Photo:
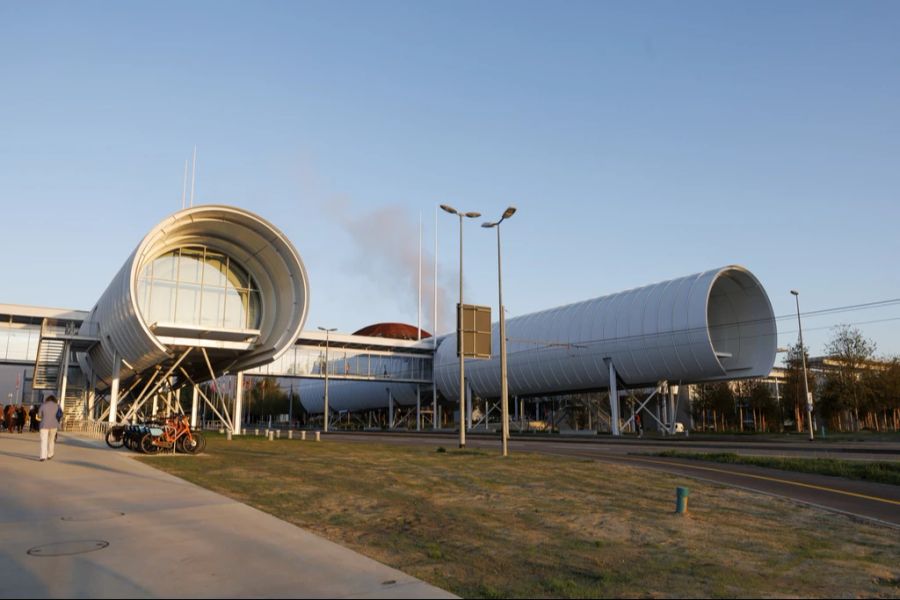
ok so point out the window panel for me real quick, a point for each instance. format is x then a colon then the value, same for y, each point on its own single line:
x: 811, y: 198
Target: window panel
x: 188, y: 305
x: 166, y: 267
x: 196, y: 286
x: 190, y: 266
x: 234, y: 309
x: 254, y: 313
x: 213, y: 307
x: 162, y: 303
x: 214, y: 270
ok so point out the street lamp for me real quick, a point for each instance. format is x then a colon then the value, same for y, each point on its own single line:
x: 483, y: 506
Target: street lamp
x: 462, y: 347
x: 504, y: 391
x: 809, y: 404
x: 327, y: 331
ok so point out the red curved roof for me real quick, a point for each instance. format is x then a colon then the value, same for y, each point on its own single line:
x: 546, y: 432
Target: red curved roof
x: 396, y: 331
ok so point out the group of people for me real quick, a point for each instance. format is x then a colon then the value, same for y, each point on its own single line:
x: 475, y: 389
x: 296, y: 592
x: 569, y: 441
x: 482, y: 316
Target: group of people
x: 14, y: 418
x: 44, y: 418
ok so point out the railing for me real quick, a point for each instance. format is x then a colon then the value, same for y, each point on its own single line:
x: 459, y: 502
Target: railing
x: 94, y: 429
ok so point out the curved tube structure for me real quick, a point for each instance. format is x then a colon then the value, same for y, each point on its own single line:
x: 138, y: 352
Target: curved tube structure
x: 715, y: 325
x: 355, y: 395
x: 216, y: 277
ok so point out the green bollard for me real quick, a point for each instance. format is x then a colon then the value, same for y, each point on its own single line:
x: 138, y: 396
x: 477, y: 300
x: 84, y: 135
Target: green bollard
x: 681, y: 500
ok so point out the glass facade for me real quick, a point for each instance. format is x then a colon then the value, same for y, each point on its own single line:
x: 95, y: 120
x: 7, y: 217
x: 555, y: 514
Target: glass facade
x: 352, y: 364
x: 19, y: 341
x: 198, y: 286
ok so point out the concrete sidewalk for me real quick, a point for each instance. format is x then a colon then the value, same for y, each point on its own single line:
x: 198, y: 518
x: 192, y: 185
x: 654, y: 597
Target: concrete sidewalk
x: 94, y: 523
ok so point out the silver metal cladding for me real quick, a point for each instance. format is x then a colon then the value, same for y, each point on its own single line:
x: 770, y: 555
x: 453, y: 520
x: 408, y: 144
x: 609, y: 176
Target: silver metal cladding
x: 715, y: 325
x: 276, y: 296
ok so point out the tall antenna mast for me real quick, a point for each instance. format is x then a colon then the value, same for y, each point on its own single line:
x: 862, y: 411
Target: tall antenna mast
x: 184, y: 185
x: 435, y: 420
x: 193, y: 176
x: 434, y: 326
x: 419, y: 315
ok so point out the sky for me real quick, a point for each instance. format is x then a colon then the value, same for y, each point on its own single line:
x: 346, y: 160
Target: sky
x: 640, y: 141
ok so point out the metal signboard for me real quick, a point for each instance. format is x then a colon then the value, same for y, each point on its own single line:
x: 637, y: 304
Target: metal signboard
x: 476, y: 331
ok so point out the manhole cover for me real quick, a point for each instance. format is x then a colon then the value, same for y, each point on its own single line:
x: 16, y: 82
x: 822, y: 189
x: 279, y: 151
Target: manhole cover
x: 68, y: 548
x: 94, y: 515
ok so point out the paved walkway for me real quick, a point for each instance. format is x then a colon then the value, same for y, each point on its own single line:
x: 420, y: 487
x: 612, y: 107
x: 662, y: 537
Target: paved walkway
x: 94, y: 523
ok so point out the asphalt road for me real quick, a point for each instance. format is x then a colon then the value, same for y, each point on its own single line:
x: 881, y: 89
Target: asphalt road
x: 863, y: 499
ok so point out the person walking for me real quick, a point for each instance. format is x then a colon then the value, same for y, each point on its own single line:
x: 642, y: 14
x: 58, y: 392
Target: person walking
x: 639, y: 423
x: 49, y: 425
x: 34, y: 424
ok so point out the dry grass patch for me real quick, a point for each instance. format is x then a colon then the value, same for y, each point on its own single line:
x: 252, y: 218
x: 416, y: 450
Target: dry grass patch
x: 546, y: 526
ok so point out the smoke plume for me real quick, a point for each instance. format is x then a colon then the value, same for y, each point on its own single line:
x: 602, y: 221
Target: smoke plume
x: 387, y: 254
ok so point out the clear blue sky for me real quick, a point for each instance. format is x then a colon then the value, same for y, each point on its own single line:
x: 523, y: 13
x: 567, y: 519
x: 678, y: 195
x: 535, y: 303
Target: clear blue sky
x: 641, y: 141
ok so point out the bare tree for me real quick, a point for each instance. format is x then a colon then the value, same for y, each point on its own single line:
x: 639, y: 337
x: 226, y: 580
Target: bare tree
x: 851, y: 353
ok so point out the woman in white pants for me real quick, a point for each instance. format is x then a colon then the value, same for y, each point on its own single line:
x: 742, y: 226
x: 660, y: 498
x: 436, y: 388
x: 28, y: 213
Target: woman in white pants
x: 49, y: 425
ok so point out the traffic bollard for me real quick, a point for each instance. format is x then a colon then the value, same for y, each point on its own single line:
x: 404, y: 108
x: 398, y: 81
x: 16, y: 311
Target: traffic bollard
x: 681, y: 500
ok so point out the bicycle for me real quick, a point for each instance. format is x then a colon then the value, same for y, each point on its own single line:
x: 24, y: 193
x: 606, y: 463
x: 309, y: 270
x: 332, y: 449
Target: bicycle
x: 175, y: 434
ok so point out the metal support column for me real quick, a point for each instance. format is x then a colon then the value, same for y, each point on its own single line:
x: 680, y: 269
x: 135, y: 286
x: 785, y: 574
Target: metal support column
x: 114, y: 390
x: 92, y: 399
x: 194, y: 404
x: 659, y: 417
x: 613, y: 400
x: 390, y: 409
x: 468, y: 406
x: 238, y: 403
x: 664, y: 409
x: 64, y: 380
x: 418, y: 408
x: 671, y: 411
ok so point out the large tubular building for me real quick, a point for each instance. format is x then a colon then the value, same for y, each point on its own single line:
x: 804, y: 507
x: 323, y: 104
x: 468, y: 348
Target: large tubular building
x: 711, y: 326
x: 209, y: 290
x: 215, y: 290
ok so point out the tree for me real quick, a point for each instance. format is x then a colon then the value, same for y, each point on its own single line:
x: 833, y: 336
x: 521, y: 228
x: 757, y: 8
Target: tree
x: 701, y: 405
x: 762, y: 403
x: 851, y: 353
x: 883, y: 387
x: 265, y: 398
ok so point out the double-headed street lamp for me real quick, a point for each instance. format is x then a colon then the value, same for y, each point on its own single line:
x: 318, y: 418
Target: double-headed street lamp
x: 504, y: 392
x: 327, y: 331
x: 809, y: 404
x: 462, y: 347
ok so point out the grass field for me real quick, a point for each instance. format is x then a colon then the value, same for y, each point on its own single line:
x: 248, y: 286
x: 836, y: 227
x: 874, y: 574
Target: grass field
x: 544, y: 526
x: 880, y: 472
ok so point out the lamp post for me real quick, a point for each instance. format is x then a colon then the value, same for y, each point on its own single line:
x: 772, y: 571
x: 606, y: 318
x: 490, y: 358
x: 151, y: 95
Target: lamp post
x: 327, y: 331
x: 504, y: 391
x: 459, y: 326
x: 809, y: 404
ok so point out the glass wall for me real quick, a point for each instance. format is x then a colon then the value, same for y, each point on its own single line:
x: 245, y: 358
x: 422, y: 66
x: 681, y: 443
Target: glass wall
x: 19, y: 341
x: 198, y: 286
